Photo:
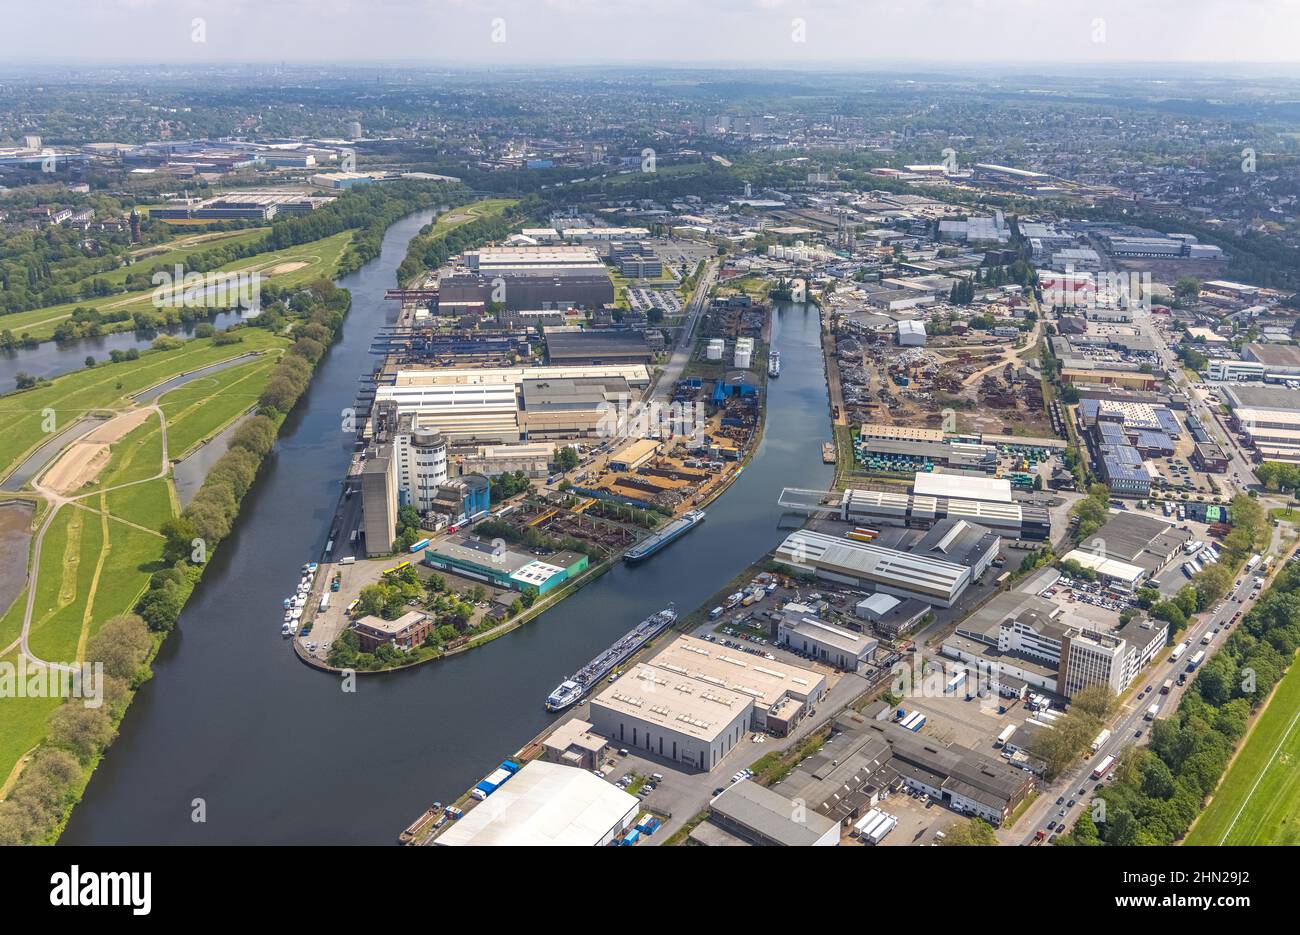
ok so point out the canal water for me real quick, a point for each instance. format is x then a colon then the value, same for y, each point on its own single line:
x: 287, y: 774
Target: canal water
x: 50, y: 359
x: 277, y: 752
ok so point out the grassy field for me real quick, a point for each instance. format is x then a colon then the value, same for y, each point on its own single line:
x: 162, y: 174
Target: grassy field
x: 184, y: 247
x: 202, y: 408
x: 457, y: 216
x: 97, y: 557
x: 1258, y: 801
x: 148, y: 504
x: 319, y: 258
x: 106, y: 386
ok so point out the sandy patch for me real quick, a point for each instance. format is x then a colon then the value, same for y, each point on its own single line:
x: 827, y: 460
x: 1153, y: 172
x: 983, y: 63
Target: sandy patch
x: 282, y: 268
x: 82, y: 461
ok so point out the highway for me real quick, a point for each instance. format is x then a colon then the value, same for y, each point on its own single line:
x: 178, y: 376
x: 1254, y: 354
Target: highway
x: 1130, y: 719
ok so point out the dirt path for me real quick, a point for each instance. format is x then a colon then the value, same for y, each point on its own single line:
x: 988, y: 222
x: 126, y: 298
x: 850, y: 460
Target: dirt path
x: 57, y: 501
x: 82, y: 461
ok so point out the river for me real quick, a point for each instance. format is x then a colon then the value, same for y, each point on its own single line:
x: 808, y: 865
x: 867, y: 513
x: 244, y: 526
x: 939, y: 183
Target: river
x: 50, y: 359
x: 278, y: 752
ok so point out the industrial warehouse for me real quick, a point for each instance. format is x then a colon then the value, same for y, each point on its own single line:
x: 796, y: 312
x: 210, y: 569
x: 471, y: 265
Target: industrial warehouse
x: 694, y: 701
x: 953, y: 554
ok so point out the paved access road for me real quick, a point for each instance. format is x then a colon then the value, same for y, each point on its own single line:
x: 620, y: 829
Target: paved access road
x: 1131, y: 719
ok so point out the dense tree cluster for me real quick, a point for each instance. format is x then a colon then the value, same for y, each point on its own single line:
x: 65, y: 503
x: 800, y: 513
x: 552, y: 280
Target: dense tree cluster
x: 76, y: 735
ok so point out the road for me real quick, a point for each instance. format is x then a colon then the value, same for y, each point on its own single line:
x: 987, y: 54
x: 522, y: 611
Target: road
x: 685, y: 345
x: 1129, y: 721
x: 1240, y: 468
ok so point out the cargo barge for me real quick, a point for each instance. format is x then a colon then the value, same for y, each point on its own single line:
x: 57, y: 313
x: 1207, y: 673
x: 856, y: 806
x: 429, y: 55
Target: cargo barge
x: 670, y: 533
x: 577, y: 685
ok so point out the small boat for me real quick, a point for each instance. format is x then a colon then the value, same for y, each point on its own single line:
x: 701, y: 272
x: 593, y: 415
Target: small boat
x: 774, y: 364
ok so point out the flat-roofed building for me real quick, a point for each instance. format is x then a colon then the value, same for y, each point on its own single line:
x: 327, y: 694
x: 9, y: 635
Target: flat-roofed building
x: 572, y: 407
x: 695, y: 700
x: 759, y: 816
x: 769, y: 682
x: 888, y: 508
x: 574, y: 744
x: 597, y: 347
x: 672, y: 715
x: 546, y: 805
x: 407, y: 632
x: 962, y: 486
x: 863, y: 564
x: 826, y: 642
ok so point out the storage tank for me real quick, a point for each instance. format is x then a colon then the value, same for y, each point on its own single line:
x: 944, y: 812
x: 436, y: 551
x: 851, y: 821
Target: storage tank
x: 714, y: 350
x: 743, y: 356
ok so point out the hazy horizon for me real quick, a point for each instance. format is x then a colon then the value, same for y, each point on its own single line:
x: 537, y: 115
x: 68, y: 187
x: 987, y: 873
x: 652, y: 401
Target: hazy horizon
x: 786, y: 34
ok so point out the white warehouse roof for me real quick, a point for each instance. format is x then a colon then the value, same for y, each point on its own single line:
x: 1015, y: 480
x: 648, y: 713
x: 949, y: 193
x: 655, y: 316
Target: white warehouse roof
x: 546, y: 805
x: 1109, y: 567
x: 997, y: 489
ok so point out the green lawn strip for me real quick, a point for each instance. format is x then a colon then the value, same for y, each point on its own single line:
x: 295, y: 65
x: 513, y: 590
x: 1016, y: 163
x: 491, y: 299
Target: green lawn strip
x: 200, y: 409
x: 107, y: 386
x: 148, y: 504
x: 22, y: 724
x: 134, y: 556
x: 1272, y: 807
x: 67, y: 569
x: 321, y: 256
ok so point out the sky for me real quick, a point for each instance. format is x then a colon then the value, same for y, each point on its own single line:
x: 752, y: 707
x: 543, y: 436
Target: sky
x: 785, y: 33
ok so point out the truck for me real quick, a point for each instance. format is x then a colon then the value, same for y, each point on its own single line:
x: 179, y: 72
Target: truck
x: 1207, y: 638
x: 954, y: 683
x: 494, y: 780
x: 1179, y: 650
x: 1195, y: 660
x: 1103, y: 767
x: 1152, y: 710
x: 1252, y: 562
x: 348, y: 560
x: 352, y: 539
x: 324, y: 602
x: 1100, y: 740
x: 1167, y: 687
x: 1005, y: 735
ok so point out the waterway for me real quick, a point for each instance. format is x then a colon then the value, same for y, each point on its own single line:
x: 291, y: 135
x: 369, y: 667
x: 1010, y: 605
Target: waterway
x: 50, y: 359
x: 278, y: 752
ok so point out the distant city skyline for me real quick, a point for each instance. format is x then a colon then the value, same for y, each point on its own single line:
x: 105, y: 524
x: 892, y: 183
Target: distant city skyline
x: 784, y: 33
